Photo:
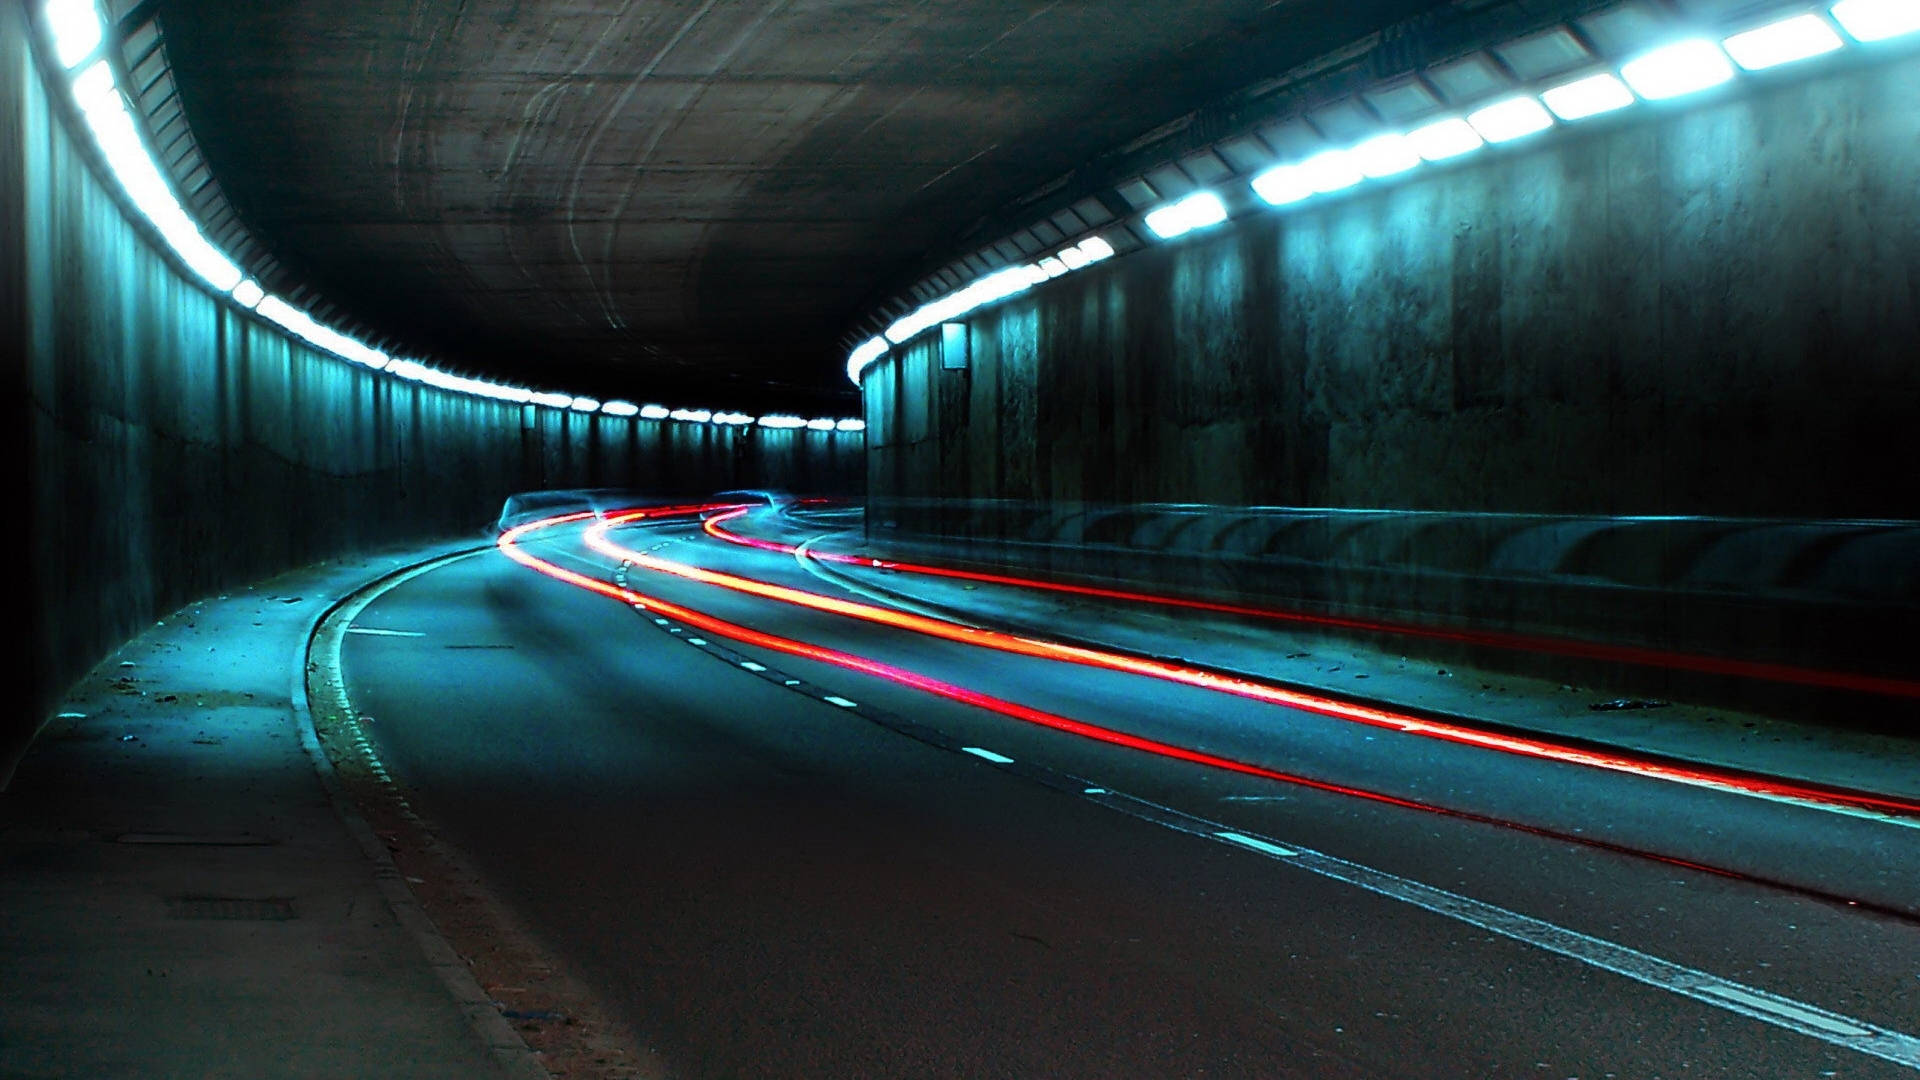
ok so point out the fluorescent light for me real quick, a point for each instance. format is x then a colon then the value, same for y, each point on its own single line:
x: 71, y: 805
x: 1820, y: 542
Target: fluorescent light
x: 76, y: 29
x: 733, y: 419
x: 1385, y: 155
x: 584, y: 404
x: 1054, y: 267
x: 1073, y: 257
x: 1514, y: 118
x: 301, y: 325
x: 1878, y: 20
x: 1330, y: 171
x: 105, y: 110
x: 619, y: 408
x: 1283, y: 185
x: 1586, y: 97
x: 819, y: 425
x: 1095, y: 248
x: 1684, y: 67
x: 691, y: 416
x: 850, y: 425
x: 995, y: 286
x: 654, y: 412
x: 1445, y: 139
x: 553, y: 401
x: 248, y: 293
x: 863, y: 356
x: 1783, y: 42
x: 1202, y: 209
x: 779, y: 422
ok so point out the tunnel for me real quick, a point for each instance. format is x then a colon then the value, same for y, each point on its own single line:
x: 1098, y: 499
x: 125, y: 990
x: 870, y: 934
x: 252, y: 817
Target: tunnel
x: 962, y: 538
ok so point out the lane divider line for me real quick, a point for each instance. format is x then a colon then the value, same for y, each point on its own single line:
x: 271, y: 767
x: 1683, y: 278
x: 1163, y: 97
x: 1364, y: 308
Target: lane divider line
x: 619, y: 590
x: 1704, y: 987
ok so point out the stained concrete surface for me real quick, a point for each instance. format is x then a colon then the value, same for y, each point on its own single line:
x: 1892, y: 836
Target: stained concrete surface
x: 180, y: 898
x: 1707, y: 308
x: 679, y: 194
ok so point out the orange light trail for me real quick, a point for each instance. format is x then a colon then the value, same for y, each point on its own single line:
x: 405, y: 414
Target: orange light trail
x: 509, y: 544
x: 1584, y: 650
x: 596, y: 538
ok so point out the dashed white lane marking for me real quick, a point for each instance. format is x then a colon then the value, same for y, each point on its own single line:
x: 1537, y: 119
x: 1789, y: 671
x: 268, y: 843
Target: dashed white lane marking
x: 696, y: 641
x: 751, y: 666
x: 1257, y: 844
x: 842, y: 702
x: 73, y: 716
x: 1700, y: 986
x: 377, y: 632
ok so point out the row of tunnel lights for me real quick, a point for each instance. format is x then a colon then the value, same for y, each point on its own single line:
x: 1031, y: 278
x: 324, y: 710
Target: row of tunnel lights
x: 1671, y: 71
x: 78, y: 33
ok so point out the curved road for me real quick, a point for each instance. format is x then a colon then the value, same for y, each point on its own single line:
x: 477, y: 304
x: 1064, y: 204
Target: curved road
x: 773, y: 866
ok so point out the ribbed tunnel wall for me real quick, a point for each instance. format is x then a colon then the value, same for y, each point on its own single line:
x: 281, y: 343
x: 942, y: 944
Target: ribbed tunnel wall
x: 1704, y: 310
x: 167, y: 446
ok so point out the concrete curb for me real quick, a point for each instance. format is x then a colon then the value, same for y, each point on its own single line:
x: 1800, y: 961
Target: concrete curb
x: 503, y: 1043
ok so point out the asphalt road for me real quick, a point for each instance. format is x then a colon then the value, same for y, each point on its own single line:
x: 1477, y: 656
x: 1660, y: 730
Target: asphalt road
x: 766, y: 883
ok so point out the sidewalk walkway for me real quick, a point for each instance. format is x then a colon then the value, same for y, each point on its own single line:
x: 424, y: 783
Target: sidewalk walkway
x: 1726, y: 738
x: 180, y: 897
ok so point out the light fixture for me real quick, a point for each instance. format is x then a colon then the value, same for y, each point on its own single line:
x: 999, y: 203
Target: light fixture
x: 781, y: 422
x: 1073, y: 257
x: 691, y: 416
x: 851, y: 425
x: 1283, y: 185
x: 1684, y: 67
x: 1095, y: 248
x: 1200, y: 210
x: 820, y: 425
x: 248, y: 293
x: 1054, y: 267
x: 553, y: 401
x: 1797, y: 38
x: 654, y: 412
x: 584, y: 404
x: 619, y: 408
x: 76, y: 29
x: 1878, y: 20
x: 1330, y: 171
x: 301, y: 325
x: 1445, y: 139
x: 1586, y: 97
x: 1513, y: 118
x: 1385, y: 155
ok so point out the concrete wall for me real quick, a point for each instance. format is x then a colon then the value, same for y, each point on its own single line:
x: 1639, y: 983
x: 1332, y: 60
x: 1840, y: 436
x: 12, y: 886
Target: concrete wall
x: 165, y: 446
x: 1702, y: 310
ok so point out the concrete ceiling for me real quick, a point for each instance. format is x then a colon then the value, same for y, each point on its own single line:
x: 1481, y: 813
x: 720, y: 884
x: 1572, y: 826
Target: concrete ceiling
x: 681, y: 200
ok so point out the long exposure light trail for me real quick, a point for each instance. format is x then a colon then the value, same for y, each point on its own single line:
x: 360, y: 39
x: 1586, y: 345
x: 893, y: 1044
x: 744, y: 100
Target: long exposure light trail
x: 597, y: 538
x: 509, y: 544
x: 1640, y: 656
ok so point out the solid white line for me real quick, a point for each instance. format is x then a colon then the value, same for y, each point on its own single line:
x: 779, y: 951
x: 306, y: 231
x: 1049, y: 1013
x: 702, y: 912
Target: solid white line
x: 383, y: 633
x: 1789, y: 1010
x: 997, y: 759
x: 843, y: 702
x: 1261, y: 846
x: 1704, y: 987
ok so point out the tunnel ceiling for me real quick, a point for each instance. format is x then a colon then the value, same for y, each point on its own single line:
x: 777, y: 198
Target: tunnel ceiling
x: 678, y: 199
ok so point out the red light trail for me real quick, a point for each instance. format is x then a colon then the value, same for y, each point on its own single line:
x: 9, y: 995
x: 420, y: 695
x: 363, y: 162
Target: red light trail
x: 1584, y: 650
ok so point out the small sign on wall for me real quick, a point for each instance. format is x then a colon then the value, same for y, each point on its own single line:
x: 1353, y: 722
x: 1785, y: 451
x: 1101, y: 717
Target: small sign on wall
x: 954, y: 346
